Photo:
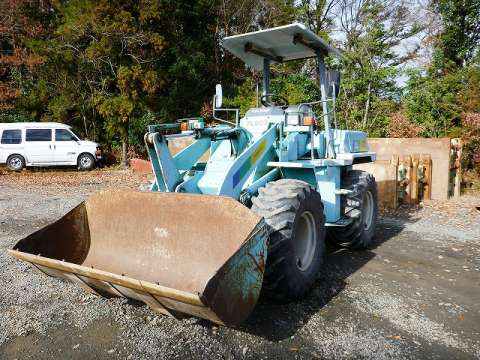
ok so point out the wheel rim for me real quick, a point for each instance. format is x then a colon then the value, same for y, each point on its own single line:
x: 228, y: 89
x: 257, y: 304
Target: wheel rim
x: 15, y: 163
x: 85, y: 162
x: 305, y: 241
x: 368, y: 210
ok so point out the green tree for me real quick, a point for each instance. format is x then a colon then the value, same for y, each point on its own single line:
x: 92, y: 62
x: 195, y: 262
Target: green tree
x: 369, y: 91
x: 441, y: 98
x: 431, y: 103
x: 459, y: 39
x: 114, y: 47
x: 111, y: 61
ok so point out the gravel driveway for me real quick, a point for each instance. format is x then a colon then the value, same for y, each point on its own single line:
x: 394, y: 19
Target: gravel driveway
x: 414, y: 295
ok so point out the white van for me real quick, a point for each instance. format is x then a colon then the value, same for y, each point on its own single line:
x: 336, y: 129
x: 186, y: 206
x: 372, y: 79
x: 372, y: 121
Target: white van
x: 45, y: 144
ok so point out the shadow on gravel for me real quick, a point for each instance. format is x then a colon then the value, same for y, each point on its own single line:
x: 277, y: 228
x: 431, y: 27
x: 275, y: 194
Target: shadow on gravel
x: 275, y: 321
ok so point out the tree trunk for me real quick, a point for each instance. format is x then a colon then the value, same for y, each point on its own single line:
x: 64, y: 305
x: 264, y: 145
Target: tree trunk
x: 125, y: 146
x: 367, y: 107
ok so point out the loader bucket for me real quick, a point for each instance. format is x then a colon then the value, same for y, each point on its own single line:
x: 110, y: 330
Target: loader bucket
x: 179, y: 253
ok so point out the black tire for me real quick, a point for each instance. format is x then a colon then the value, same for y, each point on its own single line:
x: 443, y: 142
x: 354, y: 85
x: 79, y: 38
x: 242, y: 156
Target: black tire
x: 360, y: 232
x: 85, y: 162
x: 16, y: 162
x: 288, y: 207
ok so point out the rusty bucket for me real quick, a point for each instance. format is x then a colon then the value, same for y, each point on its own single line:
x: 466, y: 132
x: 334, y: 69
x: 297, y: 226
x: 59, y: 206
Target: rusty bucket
x: 179, y: 253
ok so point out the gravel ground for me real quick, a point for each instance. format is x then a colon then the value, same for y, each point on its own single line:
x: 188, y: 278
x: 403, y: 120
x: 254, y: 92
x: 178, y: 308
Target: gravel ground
x: 413, y: 295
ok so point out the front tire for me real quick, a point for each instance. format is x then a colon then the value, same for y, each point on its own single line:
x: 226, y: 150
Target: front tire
x: 293, y: 211
x: 361, y: 207
x: 15, y: 162
x: 85, y: 162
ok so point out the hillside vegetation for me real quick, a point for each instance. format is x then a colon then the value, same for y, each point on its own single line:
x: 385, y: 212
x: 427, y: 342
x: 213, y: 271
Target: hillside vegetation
x: 109, y: 68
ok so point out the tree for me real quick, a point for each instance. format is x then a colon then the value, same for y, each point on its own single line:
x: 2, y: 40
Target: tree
x: 121, y: 43
x: 318, y: 15
x: 401, y: 127
x: 441, y: 98
x: 371, y: 30
x: 112, y: 61
x: 20, y: 21
x: 431, y: 104
x: 459, y: 39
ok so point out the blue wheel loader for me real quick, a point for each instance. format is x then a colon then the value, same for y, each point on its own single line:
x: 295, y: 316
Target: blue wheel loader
x: 244, y: 209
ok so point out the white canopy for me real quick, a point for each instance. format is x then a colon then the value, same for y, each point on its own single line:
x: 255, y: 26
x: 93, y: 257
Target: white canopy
x: 283, y: 43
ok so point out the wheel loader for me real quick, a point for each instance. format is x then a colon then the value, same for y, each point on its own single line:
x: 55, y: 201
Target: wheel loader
x: 244, y: 209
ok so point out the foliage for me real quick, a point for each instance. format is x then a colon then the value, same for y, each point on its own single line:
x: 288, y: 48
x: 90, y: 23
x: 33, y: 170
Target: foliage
x: 471, y: 143
x: 469, y: 96
x: 138, y: 128
x: 459, y: 41
x: 369, y: 90
x: 430, y: 102
x: 21, y: 21
x: 469, y: 100
x: 400, y: 127
x: 110, y: 68
x: 295, y: 87
x: 441, y: 98
x: 110, y: 61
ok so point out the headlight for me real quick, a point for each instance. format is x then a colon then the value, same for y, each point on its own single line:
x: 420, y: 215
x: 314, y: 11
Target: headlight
x: 293, y: 119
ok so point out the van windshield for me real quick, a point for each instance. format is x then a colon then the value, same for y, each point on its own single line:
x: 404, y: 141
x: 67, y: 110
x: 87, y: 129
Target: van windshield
x: 65, y: 135
x: 74, y: 134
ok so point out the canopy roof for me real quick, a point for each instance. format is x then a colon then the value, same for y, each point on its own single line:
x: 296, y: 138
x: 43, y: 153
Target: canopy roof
x: 279, y: 44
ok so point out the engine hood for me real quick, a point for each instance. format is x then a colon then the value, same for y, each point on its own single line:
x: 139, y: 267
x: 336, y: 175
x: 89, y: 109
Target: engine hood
x: 89, y: 143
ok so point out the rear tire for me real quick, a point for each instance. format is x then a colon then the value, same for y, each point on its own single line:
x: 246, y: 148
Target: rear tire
x: 85, y: 162
x: 361, y: 207
x: 15, y: 162
x: 293, y: 211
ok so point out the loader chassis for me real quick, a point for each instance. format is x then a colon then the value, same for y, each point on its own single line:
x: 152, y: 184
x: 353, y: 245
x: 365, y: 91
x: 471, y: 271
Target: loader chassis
x: 211, y: 235
x: 279, y: 156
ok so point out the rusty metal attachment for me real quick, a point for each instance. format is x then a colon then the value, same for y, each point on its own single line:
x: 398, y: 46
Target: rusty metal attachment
x: 178, y: 253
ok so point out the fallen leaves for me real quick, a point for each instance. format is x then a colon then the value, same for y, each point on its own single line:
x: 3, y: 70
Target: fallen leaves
x: 107, y: 177
x: 394, y: 337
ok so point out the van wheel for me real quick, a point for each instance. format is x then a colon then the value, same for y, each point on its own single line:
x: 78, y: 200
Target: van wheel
x: 16, y: 162
x: 86, y: 162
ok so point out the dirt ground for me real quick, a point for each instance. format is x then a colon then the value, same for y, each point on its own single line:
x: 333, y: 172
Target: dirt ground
x: 414, y: 295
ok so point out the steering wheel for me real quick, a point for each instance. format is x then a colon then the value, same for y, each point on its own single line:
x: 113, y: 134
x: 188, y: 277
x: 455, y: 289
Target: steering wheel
x: 265, y: 100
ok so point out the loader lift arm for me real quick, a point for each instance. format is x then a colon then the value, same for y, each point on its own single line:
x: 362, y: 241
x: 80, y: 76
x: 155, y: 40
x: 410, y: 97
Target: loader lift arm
x: 170, y: 171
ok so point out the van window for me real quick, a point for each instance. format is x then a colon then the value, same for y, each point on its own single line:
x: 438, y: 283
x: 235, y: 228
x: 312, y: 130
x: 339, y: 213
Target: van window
x: 12, y: 137
x: 38, y: 135
x: 64, y: 135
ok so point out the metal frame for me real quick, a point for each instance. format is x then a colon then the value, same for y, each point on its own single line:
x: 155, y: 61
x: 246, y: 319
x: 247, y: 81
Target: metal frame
x: 215, y: 109
x: 320, y: 53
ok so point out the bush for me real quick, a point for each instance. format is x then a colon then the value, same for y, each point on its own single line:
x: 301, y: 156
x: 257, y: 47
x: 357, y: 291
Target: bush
x: 136, y: 132
x: 471, y: 143
x: 400, y: 127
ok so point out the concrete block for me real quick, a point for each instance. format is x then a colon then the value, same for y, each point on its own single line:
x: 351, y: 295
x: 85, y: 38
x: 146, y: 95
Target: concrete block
x: 141, y: 166
x: 439, y: 150
x: 385, y: 175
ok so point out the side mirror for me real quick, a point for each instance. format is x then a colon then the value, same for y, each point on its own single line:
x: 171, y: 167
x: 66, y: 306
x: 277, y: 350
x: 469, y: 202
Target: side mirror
x: 218, y: 96
x: 333, y: 83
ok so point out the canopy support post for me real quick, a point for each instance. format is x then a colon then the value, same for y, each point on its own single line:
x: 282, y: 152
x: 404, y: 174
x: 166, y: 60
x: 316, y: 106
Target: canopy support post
x: 323, y: 93
x: 266, y: 77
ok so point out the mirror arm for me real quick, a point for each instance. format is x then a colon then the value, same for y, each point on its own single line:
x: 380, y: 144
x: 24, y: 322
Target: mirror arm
x: 215, y: 109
